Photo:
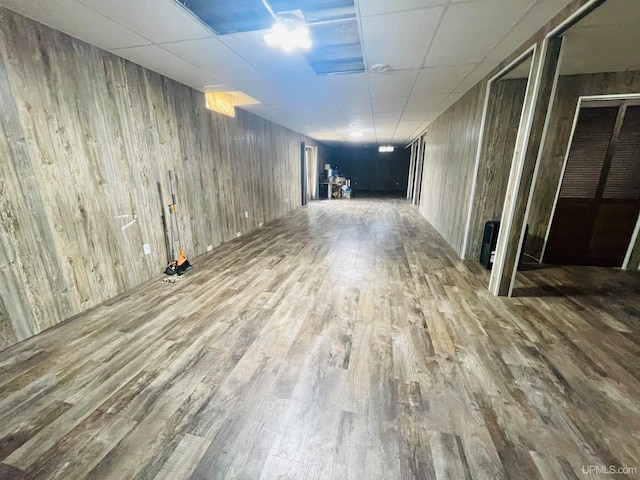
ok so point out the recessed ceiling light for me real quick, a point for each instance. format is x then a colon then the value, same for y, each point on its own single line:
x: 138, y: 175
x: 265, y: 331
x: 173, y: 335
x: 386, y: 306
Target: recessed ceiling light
x: 385, y: 148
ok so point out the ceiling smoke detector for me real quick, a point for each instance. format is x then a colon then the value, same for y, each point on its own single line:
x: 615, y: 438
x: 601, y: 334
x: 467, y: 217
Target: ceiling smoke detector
x: 381, y: 68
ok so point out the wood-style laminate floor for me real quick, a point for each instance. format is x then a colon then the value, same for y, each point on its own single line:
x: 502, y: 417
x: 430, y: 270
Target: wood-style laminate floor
x: 344, y: 341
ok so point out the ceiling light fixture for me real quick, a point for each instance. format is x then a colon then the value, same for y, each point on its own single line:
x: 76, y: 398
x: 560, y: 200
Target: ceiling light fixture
x: 289, y: 34
x: 385, y: 148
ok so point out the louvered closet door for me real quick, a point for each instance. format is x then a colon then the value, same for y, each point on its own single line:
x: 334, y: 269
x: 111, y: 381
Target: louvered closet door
x: 619, y: 204
x: 599, y: 198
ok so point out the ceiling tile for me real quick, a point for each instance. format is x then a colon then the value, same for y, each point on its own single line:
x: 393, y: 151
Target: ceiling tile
x: 441, y: 79
x: 540, y: 14
x: 159, y: 21
x: 360, y: 119
x: 420, y: 101
x: 215, y: 57
x: 620, y: 62
x: 478, y: 73
x: 87, y: 25
x: 409, y: 117
x: 388, y: 104
x: 601, y: 42
x: 469, y: 31
x: 614, y: 13
x: 355, y: 106
x: 273, y: 63
x: 386, y: 117
x: 383, y: 7
x: 267, y: 93
x: 392, y: 84
x: 343, y: 88
x: 408, y: 127
x: 160, y: 60
x: 399, y: 39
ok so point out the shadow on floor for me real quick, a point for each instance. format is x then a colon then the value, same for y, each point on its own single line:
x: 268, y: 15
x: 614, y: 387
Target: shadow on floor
x: 562, y: 291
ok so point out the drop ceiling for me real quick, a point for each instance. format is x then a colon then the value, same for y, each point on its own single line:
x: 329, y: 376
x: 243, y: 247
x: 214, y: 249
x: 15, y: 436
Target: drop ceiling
x: 437, y: 50
x: 606, y: 40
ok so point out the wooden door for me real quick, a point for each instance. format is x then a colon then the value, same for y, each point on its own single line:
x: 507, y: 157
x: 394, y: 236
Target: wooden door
x: 599, y: 199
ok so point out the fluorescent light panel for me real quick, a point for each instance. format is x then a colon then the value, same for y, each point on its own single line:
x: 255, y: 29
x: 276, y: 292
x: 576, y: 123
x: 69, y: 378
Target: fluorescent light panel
x: 385, y: 148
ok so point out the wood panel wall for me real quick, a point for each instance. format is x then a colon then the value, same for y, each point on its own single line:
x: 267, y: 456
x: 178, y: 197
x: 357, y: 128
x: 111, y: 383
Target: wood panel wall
x: 570, y: 88
x: 450, y: 150
x: 501, y: 129
x: 86, y: 140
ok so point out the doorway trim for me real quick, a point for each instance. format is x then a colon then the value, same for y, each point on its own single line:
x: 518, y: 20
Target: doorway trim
x: 584, y: 99
x: 528, y: 53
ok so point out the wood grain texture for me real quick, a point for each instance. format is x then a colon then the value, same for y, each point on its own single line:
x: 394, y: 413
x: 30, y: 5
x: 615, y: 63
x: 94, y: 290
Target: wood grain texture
x: 345, y: 340
x: 86, y: 140
x: 449, y: 171
x: 570, y: 88
x: 451, y: 143
x: 537, y: 104
x: 501, y: 129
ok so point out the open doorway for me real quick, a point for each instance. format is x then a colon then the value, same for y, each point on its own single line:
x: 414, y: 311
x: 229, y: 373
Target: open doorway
x: 311, y: 159
x: 503, y: 108
x: 598, y: 73
x: 599, y: 199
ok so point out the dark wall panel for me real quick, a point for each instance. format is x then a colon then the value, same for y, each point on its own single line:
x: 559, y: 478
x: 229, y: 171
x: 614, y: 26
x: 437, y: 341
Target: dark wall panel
x: 86, y: 140
x: 370, y: 170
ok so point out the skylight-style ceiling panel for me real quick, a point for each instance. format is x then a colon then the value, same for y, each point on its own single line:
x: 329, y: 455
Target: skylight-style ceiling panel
x: 226, y: 17
x: 336, y: 48
x: 315, y: 10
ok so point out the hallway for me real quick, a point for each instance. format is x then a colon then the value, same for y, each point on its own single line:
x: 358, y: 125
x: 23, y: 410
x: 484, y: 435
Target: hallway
x: 345, y: 340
